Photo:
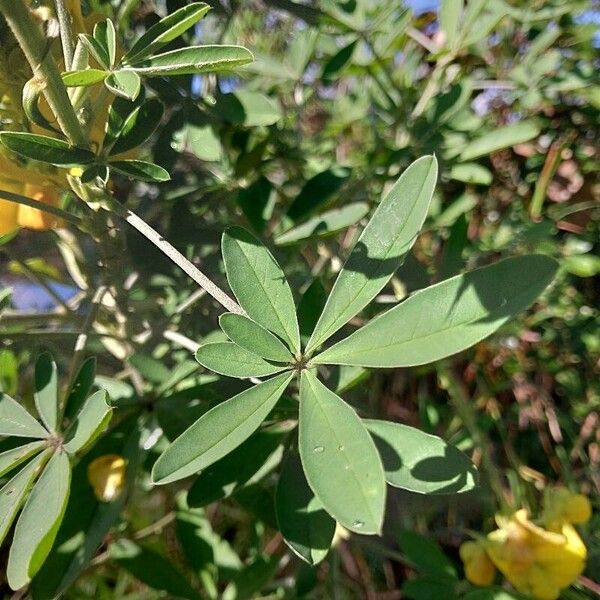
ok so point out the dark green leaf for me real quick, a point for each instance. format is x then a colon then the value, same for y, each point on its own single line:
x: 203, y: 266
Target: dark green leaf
x: 106, y: 36
x: 141, y: 170
x: 303, y: 522
x: 311, y: 306
x: 81, y: 387
x: 338, y: 61
x: 499, y: 139
x: 45, y: 391
x: 15, y: 420
x: 138, y: 126
x: 426, y: 556
x: 252, y: 578
x: 468, y: 308
x: 340, y: 460
x: 97, y: 50
x: 260, y: 285
x: 46, y: 149
x: 219, y: 431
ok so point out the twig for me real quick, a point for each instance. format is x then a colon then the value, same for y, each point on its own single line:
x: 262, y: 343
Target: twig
x: 422, y: 39
x: 52, y: 210
x: 181, y: 340
x: 181, y: 261
x: 66, y: 39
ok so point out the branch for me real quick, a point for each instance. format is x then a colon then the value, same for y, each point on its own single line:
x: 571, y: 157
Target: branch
x: 53, y: 210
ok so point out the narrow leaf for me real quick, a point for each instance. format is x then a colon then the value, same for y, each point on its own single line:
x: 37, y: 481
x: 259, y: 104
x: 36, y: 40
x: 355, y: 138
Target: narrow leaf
x: 227, y: 358
x: 84, y: 78
x: 381, y: 248
x: 500, y: 138
x: 248, y: 108
x: 45, y: 392
x: 38, y: 524
x: 15, y: 420
x: 91, y: 421
x: 13, y: 494
x: 446, y: 318
x: 249, y: 335
x: 96, y: 49
x: 303, y: 522
x: 340, y: 460
x: 125, y: 83
x: 166, y: 30
x: 46, y: 149
x: 193, y: 60
x: 138, y: 126
x: 81, y: 387
x: 260, y: 285
x: 106, y: 36
x: 219, y: 431
x: 141, y: 170
x: 10, y: 459
x: 420, y: 462
x: 449, y: 15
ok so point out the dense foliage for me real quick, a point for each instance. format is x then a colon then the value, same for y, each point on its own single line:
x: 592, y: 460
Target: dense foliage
x: 297, y: 297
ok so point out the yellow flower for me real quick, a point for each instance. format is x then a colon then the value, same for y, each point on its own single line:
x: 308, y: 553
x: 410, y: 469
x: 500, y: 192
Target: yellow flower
x: 479, y: 569
x: 106, y: 475
x: 32, y: 218
x: 562, y: 506
x: 536, y: 561
x: 9, y: 210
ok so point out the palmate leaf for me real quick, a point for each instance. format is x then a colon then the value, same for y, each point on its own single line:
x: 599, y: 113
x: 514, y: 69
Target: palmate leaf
x: 13, y: 494
x: 10, y: 459
x: 45, y: 391
x: 260, y: 285
x: 340, y: 460
x: 194, y: 60
x: 303, y: 522
x: 219, y: 431
x: 446, y: 318
x: 227, y: 358
x: 16, y: 421
x: 39, y: 521
x: 249, y: 335
x: 380, y: 249
x: 420, y: 462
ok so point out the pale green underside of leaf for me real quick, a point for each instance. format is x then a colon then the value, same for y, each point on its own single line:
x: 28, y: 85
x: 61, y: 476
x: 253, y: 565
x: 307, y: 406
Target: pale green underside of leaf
x: 84, y: 78
x: 92, y: 419
x: 420, y: 462
x: 227, y: 358
x: 219, y: 431
x: 12, y: 458
x: 13, y: 494
x: 260, y: 285
x: 340, y: 460
x: 303, y: 522
x: 39, y: 521
x: 193, y: 60
x: 16, y: 421
x: 251, y: 336
x: 385, y: 241
x: 45, y: 392
x: 446, y: 318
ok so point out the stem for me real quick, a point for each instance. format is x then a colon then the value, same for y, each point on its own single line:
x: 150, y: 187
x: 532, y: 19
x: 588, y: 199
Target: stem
x: 34, y: 47
x: 181, y: 261
x: 66, y: 38
x: 57, y: 212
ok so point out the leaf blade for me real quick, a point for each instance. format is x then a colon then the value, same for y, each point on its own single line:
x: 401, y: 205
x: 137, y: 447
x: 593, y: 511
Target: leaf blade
x: 10, y: 459
x: 16, y: 421
x: 45, y: 393
x: 141, y: 170
x: 92, y: 419
x: 46, y: 149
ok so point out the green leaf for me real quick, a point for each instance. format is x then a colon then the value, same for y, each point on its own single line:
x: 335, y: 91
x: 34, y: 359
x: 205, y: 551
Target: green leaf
x: 13, y: 494
x: 250, y: 462
x: 420, y: 462
x: 193, y: 60
x: 250, y: 580
x: 310, y: 307
x: 81, y: 387
x: 125, y: 83
x: 96, y: 49
x: 219, y: 431
x: 340, y: 459
x: 429, y: 588
x: 260, y: 285
x: 106, y: 36
x: 327, y: 223
x: 46, y: 149
x: 15, y: 420
x: 473, y: 173
x: 45, y: 393
x: 380, y: 249
x: 151, y: 568
x: 166, y: 30
x: 84, y: 77
x: 338, y: 61
x: 91, y: 421
x: 426, y: 556
x: 501, y: 138
x: 494, y: 593
x: 140, y: 170
x: 468, y: 308
x: 247, y: 108
x: 317, y: 191
x: 303, y: 522
x: 227, y: 358
x: 139, y: 125
x: 38, y: 524
x: 253, y: 337
x: 449, y: 16
x: 10, y: 459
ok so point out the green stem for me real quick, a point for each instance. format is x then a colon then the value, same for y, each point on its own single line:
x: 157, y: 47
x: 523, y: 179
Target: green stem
x: 53, y: 210
x: 66, y: 36
x: 34, y: 46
